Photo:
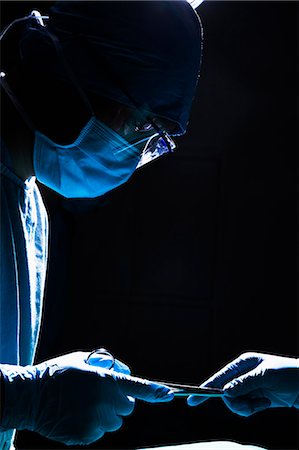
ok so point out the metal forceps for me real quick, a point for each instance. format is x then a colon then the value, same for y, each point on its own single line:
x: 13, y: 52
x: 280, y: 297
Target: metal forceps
x: 103, y: 358
x: 184, y: 390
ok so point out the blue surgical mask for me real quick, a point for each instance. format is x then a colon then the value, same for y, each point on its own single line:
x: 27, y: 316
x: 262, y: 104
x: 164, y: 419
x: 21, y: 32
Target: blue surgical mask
x: 98, y: 161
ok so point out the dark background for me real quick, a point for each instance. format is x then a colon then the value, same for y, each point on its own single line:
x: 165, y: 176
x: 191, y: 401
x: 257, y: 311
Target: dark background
x: 193, y: 261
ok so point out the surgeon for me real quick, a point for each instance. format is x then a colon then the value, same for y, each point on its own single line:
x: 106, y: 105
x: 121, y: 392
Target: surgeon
x: 89, y: 95
x: 254, y: 382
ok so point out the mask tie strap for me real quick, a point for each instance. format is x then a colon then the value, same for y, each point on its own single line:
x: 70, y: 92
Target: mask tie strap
x: 16, y: 102
x: 38, y: 20
x: 69, y: 71
x: 37, y: 17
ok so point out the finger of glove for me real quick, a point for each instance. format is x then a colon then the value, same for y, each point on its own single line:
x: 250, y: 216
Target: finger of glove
x: 246, y: 406
x: 109, y: 419
x: 143, y: 389
x: 195, y: 400
x: 244, y: 384
x: 124, y: 405
x: 106, y: 361
x: 239, y: 366
x: 80, y: 440
x: 121, y: 367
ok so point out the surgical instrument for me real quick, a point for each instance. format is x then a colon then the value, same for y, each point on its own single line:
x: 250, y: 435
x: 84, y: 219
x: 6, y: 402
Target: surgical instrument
x: 179, y: 390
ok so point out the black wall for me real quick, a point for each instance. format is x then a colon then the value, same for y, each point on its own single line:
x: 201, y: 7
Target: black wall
x: 194, y: 260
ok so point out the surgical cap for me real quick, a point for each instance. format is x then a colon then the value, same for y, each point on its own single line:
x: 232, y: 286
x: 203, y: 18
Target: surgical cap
x: 149, y: 49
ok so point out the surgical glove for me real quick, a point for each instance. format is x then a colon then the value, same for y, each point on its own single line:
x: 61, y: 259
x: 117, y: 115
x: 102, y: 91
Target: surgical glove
x: 254, y: 382
x: 70, y: 401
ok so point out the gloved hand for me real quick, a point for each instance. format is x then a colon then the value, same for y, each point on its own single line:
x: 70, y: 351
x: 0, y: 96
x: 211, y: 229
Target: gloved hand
x: 70, y: 401
x: 256, y: 381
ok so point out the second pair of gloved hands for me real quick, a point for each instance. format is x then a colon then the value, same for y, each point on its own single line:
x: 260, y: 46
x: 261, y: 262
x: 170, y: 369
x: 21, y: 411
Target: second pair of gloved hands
x: 67, y: 400
x: 254, y: 382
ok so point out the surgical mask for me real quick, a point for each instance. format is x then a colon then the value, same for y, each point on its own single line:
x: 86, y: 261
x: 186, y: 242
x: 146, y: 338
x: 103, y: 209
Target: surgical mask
x: 97, y: 162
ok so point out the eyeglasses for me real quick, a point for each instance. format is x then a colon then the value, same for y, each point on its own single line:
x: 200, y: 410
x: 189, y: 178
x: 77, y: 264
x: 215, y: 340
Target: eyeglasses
x: 157, y: 144
x: 147, y: 135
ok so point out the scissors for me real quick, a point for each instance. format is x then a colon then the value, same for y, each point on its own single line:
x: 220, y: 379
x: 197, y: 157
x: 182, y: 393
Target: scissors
x: 103, y: 358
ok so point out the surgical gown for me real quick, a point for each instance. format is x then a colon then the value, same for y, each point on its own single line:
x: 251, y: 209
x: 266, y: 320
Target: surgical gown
x: 23, y: 246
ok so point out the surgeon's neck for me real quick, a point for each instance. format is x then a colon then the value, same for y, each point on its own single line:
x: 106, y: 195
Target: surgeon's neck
x: 18, y: 138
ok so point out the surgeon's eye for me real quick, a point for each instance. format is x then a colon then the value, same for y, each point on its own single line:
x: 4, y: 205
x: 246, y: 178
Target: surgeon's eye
x: 143, y: 127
